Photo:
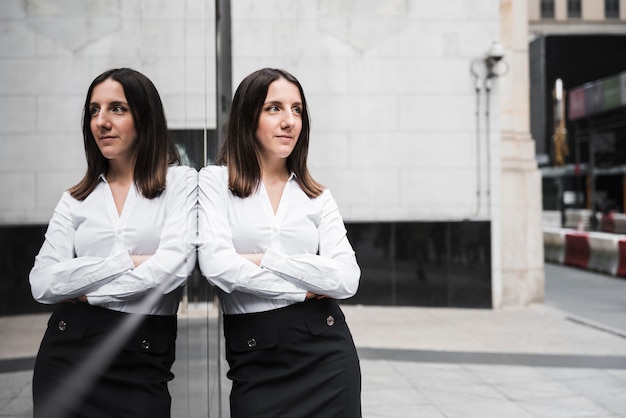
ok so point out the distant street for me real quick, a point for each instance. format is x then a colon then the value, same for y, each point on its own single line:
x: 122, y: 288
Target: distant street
x: 597, y: 298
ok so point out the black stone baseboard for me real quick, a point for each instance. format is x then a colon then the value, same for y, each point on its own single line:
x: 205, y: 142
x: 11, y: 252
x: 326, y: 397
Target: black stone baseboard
x: 434, y: 264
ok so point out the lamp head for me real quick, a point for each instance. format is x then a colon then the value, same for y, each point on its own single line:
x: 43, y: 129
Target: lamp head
x: 496, y: 52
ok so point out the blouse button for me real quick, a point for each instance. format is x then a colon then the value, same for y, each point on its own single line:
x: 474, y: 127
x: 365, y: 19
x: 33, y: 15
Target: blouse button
x: 251, y: 343
x: 330, y: 321
x: 62, y: 325
x: 145, y: 344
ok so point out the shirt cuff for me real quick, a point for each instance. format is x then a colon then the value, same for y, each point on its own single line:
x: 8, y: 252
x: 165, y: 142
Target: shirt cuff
x: 124, y: 261
x: 271, y: 259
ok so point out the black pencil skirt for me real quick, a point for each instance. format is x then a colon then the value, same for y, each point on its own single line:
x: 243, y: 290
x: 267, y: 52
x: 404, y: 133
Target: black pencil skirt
x: 95, y: 362
x: 293, y: 362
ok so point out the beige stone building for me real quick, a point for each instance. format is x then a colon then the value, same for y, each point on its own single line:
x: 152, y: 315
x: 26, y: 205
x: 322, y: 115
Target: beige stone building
x: 577, y: 16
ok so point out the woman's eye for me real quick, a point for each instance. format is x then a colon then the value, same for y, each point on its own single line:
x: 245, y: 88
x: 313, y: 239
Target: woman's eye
x: 94, y: 111
x: 118, y: 109
x: 273, y: 108
x: 297, y: 110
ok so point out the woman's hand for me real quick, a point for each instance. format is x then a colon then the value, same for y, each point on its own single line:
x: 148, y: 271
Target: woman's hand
x: 138, y: 259
x: 254, y: 258
x: 311, y: 295
x: 82, y: 299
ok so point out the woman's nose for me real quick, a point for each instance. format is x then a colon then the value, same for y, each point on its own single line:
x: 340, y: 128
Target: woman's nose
x: 288, y: 120
x: 102, y: 121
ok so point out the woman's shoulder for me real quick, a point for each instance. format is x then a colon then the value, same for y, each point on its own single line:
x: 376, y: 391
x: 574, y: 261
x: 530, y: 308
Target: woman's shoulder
x: 216, y: 172
x: 181, y: 179
x: 324, y: 195
x: 214, y: 169
x: 69, y: 205
x: 177, y: 172
x: 180, y: 169
x: 68, y: 199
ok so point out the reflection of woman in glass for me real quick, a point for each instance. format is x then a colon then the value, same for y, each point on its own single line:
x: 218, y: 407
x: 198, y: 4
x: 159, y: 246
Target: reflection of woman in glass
x: 275, y: 245
x: 118, y: 245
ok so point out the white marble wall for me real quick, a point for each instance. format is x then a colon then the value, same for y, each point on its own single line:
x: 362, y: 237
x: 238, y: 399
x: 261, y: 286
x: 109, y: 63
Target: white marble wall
x: 391, y: 95
x: 392, y: 98
x: 50, y: 50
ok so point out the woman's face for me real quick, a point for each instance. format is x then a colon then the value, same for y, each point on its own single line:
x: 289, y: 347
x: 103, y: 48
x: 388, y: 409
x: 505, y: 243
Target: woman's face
x: 280, y: 121
x: 112, y: 122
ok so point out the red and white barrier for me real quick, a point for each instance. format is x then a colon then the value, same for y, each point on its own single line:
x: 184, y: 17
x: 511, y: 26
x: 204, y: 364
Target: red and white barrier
x: 598, y: 251
x: 604, y: 253
x: 554, y: 244
x: 577, y: 249
x: 621, y: 260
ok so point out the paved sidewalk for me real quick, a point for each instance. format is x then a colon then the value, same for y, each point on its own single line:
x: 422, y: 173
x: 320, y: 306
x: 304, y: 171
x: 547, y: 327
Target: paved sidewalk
x: 416, y: 362
x: 530, y: 362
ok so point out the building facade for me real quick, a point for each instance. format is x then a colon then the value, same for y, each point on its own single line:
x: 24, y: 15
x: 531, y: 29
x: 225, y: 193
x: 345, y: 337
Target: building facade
x: 576, y: 16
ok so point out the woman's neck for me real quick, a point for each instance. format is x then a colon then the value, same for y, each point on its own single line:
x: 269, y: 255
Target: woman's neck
x: 120, y: 173
x: 274, y: 172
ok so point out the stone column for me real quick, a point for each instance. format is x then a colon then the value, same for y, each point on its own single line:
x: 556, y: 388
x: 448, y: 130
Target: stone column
x: 522, y: 274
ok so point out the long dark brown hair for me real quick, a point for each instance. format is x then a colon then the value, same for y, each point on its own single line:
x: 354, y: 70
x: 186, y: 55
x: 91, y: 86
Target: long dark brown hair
x: 154, y: 150
x: 241, y: 150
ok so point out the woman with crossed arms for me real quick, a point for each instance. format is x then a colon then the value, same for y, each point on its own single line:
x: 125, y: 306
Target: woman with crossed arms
x: 118, y: 250
x: 274, y: 244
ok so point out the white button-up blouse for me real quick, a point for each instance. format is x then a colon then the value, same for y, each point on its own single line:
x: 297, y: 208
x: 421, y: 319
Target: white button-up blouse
x: 88, y: 244
x: 304, y: 245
